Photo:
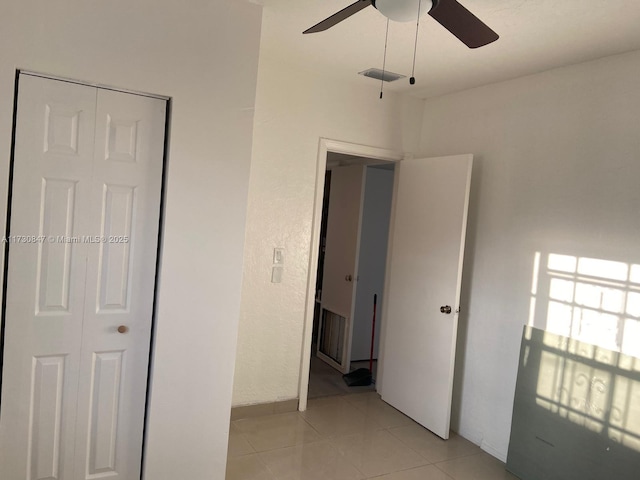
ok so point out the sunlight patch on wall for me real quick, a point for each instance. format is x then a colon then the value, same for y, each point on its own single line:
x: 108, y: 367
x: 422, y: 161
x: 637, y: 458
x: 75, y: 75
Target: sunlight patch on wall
x: 534, y: 288
x: 591, y: 300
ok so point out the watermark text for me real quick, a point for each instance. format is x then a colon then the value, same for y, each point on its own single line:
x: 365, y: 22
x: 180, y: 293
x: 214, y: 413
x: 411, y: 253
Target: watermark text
x: 38, y: 239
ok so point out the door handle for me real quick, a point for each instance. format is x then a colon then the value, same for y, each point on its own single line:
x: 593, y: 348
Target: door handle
x: 348, y: 278
x: 445, y: 309
x: 123, y: 329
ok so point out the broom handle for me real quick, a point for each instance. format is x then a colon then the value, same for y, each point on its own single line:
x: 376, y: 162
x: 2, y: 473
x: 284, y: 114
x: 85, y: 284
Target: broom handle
x: 373, y: 332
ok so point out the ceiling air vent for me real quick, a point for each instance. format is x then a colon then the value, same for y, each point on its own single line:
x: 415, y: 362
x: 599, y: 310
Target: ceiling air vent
x: 380, y: 75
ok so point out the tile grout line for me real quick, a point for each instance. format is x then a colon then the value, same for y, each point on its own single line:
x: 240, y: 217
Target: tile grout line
x: 367, y: 407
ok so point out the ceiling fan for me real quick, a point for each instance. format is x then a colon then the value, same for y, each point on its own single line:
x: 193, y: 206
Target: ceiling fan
x: 468, y: 28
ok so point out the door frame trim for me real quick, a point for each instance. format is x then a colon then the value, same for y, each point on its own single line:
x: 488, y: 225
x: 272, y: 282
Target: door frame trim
x: 5, y: 250
x: 91, y: 84
x: 326, y: 145
x: 156, y: 286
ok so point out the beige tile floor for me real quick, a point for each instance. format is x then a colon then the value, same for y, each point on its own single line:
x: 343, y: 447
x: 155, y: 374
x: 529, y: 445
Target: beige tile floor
x: 325, y: 380
x: 351, y: 437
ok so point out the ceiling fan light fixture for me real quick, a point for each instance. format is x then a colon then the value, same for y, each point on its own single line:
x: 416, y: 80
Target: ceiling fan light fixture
x: 452, y: 15
x: 403, y: 10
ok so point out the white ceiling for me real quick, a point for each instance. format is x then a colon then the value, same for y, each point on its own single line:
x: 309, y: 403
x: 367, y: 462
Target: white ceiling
x: 535, y: 35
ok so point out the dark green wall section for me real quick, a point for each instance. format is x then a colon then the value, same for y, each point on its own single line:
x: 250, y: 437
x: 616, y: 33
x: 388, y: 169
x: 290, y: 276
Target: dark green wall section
x: 576, y: 412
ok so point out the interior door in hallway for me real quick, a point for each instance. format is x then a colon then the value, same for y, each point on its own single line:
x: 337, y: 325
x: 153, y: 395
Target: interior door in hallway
x: 80, y: 280
x: 339, y: 275
x: 424, y: 277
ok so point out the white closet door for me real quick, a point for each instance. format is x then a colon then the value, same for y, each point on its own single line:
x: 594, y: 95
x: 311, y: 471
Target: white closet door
x: 124, y: 213
x: 46, y: 279
x: 84, y: 227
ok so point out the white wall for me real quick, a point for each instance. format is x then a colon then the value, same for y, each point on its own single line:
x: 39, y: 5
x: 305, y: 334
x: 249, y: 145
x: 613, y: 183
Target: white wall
x: 204, y: 55
x: 372, y: 260
x: 557, y: 163
x: 293, y: 110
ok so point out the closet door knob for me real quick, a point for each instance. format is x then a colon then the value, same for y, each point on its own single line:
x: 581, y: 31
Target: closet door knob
x: 123, y: 329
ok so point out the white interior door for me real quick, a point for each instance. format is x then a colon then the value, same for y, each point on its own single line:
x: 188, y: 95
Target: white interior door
x: 424, y: 274
x: 80, y: 281
x: 339, y: 274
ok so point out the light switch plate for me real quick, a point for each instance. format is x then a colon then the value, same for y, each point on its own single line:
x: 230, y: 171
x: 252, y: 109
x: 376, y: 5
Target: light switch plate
x: 276, y: 274
x: 278, y: 256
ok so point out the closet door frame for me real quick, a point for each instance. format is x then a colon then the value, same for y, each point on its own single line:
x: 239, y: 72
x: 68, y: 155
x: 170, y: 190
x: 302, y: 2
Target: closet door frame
x: 161, y: 212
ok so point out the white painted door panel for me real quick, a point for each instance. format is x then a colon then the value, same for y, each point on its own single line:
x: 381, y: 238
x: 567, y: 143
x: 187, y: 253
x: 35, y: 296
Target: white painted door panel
x: 424, y: 273
x: 343, y: 222
x: 125, y: 199
x: 86, y: 186
x: 339, y: 270
x: 45, y: 288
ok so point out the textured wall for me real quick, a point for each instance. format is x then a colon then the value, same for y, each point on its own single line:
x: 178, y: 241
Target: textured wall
x: 293, y: 110
x: 557, y: 162
x: 205, y: 57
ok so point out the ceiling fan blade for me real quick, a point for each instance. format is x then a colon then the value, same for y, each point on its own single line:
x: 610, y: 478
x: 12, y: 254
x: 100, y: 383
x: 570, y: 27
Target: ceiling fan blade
x: 468, y: 28
x: 338, y: 17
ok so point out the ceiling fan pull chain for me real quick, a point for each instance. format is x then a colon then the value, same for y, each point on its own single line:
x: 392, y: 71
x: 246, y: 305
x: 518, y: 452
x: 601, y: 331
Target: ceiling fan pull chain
x: 412, y: 80
x: 384, y: 59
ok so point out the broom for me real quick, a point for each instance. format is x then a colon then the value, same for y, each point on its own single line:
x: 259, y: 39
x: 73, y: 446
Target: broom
x: 363, y: 377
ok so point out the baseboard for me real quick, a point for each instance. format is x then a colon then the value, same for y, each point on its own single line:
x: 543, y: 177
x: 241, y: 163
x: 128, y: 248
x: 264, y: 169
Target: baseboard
x: 261, y: 409
x: 494, y: 452
x: 476, y: 439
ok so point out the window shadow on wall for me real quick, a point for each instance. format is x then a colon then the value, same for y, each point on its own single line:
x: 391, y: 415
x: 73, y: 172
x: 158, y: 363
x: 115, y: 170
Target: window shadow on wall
x: 576, y: 411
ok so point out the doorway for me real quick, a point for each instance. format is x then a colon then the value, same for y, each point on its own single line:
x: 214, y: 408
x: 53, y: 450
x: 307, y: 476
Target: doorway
x: 354, y: 161
x: 351, y: 267
x: 422, y: 292
x: 80, y: 277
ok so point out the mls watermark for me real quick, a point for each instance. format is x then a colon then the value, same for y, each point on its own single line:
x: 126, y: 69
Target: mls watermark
x: 64, y: 239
